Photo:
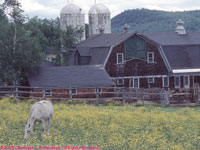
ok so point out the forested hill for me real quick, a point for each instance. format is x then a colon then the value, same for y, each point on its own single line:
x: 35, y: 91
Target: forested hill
x: 144, y: 20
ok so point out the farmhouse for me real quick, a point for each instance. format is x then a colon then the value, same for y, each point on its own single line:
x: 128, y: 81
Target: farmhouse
x: 144, y: 60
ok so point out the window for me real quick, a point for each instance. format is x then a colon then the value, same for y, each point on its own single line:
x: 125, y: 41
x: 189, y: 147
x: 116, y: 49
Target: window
x: 150, y: 57
x: 48, y: 92
x: 177, y: 82
x: 186, y: 82
x: 73, y: 91
x: 135, y: 47
x: 150, y: 80
x: 165, y: 81
x: 136, y: 83
x: 99, y: 90
x: 120, y: 81
x: 120, y: 58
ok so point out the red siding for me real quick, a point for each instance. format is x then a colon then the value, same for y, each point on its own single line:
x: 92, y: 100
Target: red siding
x: 81, y: 93
x: 137, y: 67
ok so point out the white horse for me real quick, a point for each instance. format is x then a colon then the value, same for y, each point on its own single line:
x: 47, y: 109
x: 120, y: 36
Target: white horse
x: 41, y: 111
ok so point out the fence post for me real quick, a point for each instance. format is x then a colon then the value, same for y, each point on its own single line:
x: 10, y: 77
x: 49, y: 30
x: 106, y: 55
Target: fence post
x: 168, y: 96
x: 124, y: 100
x: 198, y: 96
x: 143, y: 97
x: 16, y: 92
x: 97, y: 95
x: 70, y: 93
x: 43, y: 94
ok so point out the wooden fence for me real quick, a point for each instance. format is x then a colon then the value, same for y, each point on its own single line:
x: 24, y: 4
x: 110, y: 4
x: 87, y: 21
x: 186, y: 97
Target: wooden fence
x: 99, y: 93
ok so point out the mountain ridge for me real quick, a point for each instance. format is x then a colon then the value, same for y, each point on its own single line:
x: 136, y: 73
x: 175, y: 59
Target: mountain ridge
x: 145, y: 20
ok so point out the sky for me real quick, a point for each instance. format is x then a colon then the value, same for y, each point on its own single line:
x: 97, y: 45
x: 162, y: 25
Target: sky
x: 51, y: 8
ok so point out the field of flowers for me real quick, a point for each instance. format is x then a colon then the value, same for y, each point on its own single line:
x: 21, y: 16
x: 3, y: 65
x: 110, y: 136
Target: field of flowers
x: 107, y: 127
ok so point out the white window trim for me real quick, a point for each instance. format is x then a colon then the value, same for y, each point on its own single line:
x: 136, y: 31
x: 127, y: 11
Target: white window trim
x: 152, y: 58
x: 48, y: 93
x: 186, y: 86
x: 120, y: 83
x: 163, y: 81
x: 138, y: 83
x: 177, y: 86
x: 152, y: 78
x: 122, y: 58
x: 73, y: 89
x: 98, y: 90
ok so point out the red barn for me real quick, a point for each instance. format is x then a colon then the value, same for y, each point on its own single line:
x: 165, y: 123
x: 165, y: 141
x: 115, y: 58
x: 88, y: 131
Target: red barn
x: 144, y: 60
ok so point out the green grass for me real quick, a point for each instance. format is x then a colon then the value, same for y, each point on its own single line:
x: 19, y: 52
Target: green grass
x: 107, y: 127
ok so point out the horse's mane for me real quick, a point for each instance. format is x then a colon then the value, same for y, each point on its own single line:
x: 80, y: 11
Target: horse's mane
x: 32, y: 109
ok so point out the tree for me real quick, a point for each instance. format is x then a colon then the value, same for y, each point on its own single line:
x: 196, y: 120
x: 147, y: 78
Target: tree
x: 48, y: 32
x: 18, y: 49
x: 34, y: 26
x: 86, y: 30
x: 69, y: 38
x: 16, y: 14
x: 52, y: 39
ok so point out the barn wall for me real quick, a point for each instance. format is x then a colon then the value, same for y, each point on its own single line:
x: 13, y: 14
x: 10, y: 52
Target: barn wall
x: 90, y: 90
x: 171, y: 82
x: 64, y: 91
x: 144, y: 83
x: 135, y: 67
x: 36, y: 93
x: 81, y: 93
x: 172, y: 85
x: 191, y: 81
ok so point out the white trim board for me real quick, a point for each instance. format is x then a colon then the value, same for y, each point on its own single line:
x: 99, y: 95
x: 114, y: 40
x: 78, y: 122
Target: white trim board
x: 129, y: 77
x: 185, y: 70
x: 110, y: 51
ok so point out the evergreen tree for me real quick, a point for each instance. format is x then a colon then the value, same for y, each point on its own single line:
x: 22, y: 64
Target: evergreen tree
x: 69, y: 38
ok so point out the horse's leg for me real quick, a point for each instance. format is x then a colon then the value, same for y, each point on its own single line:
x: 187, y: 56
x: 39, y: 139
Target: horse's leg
x: 49, y: 125
x: 43, y: 125
x: 34, y: 126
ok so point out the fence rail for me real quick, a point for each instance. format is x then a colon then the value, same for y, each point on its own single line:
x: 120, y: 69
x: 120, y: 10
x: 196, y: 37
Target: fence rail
x: 101, y: 93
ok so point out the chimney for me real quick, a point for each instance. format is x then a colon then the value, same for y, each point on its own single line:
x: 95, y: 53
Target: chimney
x: 180, y: 28
x: 126, y: 27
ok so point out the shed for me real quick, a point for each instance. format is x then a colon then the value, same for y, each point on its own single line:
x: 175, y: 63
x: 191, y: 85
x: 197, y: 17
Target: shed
x: 49, y: 76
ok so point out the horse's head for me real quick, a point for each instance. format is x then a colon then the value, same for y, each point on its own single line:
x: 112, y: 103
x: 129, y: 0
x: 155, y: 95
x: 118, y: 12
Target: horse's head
x: 28, y: 129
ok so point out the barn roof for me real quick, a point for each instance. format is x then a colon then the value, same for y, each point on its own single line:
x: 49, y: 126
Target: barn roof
x: 183, y: 56
x: 179, y: 52
x: 99, y: 55
x: 182, y: 52
x: 72, y: 76
x: 105, y: 40
x: 172, y: 38
x: 97, y: 47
